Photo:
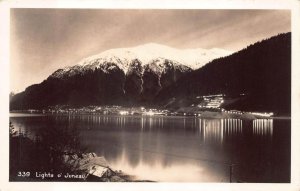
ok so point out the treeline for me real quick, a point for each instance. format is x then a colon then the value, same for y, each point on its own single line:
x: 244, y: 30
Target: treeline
x: 261, y: 71
x: 101, y: 86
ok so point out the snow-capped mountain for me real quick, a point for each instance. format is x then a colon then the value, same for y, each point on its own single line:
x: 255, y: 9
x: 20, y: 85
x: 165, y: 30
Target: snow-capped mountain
x: 133, y: 75
x: 156, y: 75
x: 122, y: 58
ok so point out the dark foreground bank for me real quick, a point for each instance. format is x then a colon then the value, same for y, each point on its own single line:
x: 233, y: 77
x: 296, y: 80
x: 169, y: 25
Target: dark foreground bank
x: 34, y: 160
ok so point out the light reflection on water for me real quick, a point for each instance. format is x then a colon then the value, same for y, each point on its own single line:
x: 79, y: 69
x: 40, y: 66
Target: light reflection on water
x: 263, y: 127
x: 163, y: 148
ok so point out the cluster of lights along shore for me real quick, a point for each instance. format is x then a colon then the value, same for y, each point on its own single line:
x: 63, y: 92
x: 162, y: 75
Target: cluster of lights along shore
x: 208, y: 102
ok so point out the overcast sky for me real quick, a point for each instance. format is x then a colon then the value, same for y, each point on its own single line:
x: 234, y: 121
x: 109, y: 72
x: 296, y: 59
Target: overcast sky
x: 44, y: 40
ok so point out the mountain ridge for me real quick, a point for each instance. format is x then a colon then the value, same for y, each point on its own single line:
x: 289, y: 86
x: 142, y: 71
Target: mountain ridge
x: 261, y: 72
x: 192, y: 58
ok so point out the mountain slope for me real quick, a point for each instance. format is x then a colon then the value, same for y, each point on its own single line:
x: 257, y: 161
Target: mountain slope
x: 101, y: 87
x: 146, y: 54
x: 123, y: 76
x: 261, y: 72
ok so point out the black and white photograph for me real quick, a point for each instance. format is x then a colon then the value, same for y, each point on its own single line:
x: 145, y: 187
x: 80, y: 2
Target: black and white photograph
x: 150, y: 95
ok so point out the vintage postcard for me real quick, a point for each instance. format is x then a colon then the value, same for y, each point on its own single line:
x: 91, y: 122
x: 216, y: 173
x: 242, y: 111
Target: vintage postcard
x: 150, y: 96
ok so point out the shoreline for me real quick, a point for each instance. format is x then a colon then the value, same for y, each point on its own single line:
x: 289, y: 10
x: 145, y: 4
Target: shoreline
x: 35, y: 160
x: 200, y: 115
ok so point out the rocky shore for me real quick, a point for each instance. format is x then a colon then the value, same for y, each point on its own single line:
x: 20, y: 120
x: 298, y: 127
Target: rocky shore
x: 95, y: 168
x: 55, y: 159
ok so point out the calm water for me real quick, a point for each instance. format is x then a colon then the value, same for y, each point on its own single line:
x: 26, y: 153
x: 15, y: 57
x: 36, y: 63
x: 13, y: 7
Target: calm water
x: 171, y: 149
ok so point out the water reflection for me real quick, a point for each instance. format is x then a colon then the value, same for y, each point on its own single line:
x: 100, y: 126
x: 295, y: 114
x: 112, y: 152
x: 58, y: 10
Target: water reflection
x: 218, y: 130
x: 263, y: 127
x: 159, y: 168
x: 201, y: 149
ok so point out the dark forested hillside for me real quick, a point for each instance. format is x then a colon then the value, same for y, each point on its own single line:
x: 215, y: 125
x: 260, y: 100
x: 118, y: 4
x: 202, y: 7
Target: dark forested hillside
x: 101, y: 86
x: 92, y: 88
x: 261, y: 71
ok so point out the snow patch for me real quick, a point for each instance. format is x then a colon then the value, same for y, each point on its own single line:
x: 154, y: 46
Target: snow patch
x: 146, y: 54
